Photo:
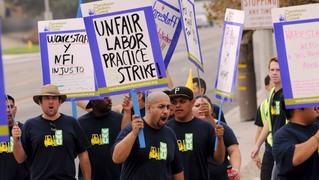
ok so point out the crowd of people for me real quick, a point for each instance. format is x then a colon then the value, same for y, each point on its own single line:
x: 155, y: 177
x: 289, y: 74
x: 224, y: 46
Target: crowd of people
x: 183, y: 138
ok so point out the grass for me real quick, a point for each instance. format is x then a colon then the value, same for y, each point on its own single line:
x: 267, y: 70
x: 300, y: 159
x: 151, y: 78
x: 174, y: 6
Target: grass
x: 24, y: 50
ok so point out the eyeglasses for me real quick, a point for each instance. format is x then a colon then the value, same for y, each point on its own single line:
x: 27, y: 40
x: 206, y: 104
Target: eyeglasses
x: 53, y: 127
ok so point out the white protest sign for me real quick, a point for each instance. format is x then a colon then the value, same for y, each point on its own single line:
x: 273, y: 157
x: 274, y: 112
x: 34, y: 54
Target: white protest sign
x: 258, y: 13
x: 297, y: 38
x: 66, y: 57
x: 229, y: 54
x: 125, y: 46
x: 167, y: 19
x: 191, y: 33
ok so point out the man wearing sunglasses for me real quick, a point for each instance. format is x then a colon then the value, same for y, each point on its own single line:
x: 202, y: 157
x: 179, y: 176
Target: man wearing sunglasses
x: 51, y: 142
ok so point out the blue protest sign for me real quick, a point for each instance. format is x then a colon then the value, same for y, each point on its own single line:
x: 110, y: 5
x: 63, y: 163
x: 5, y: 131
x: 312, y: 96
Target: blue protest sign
x: 125, y: 47
x: 297, y: 42
x: 168, y: 24
x: 4, y: 129
x: 66, y: 58
x: 191, y: 33
x: 229, y: 54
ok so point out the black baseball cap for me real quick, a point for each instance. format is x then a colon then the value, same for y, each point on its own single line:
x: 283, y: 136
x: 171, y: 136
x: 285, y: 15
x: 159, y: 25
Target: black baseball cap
x: 181, y: 91
x: 89, y: 105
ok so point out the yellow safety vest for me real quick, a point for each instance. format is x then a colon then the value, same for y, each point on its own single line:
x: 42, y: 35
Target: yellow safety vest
x: 264, y: 113
x: 267, y: 116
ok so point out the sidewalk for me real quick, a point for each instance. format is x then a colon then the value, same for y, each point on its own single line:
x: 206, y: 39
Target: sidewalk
x: 245, y: 133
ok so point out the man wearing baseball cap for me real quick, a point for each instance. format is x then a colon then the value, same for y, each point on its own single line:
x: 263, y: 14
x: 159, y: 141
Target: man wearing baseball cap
x: 50, y: 142
x: 195, y: 137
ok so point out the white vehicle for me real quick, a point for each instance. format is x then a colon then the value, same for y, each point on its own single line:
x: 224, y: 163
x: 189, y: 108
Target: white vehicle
x: 201, y: 14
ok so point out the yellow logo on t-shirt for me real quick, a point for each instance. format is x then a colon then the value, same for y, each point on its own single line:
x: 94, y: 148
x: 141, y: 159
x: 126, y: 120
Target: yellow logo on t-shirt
x: 158, y: 153
x: 187, y: 144
x: 54, y: 140
x: 101, y: 139
x: 6, y: 147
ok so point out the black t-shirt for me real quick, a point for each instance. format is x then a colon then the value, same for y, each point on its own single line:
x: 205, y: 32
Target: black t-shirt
x: 196, y: 140
x: 284, y: 143
x: 216, y: 171
x: 277, y: 116
x: 102, y: 133
x: 10, y: 169
x: 52, y: 146
x: 160, y: 158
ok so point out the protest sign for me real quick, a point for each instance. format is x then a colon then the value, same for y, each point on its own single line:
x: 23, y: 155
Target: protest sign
x: 4, y: 129
x: 167, y: 19
x: 297, y: 40
x: 191, y: 33
x: 66, y: 58
x: 125, y: 46
x: 229, y: 54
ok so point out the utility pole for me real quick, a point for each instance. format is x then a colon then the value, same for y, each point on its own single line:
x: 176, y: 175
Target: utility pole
x: 47, y: 12
x: 247, y: 78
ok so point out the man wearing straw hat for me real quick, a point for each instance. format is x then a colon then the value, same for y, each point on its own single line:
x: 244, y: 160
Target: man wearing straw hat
x: 51, y: 141
x: 9, y: 168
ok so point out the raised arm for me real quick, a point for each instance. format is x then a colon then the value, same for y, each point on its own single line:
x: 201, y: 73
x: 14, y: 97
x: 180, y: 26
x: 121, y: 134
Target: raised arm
x: 123, y: 149
x: 18, y: 151
x: 127, y: 109
x: 306, y: 149
x: 219, y: 155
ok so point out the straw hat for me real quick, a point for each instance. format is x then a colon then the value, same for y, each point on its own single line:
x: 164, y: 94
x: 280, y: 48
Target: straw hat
x: 49, y: 90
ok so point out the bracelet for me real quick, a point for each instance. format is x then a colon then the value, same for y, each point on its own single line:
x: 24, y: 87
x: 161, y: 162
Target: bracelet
x: 316, y: 137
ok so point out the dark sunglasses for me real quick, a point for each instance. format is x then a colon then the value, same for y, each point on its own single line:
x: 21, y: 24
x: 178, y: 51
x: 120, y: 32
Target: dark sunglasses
x: 53, y: 127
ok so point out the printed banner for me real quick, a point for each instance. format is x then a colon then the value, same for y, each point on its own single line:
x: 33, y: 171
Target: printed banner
x: 229, y: 54
x: 4, y: 129
x: 125, y: 46
x: 297, y: 38
x: 167, y: 19
x: 66, y: 58
x: 191, y: 33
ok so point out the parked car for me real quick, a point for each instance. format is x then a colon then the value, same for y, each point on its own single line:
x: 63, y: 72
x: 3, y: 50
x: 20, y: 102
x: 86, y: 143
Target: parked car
x: 201, y: 14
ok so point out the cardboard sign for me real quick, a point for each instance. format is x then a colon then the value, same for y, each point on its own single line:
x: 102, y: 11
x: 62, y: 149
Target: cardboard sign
x: 4, y: 129
x: 297, y: 38
x: 66, y: 57
x: 258, y: 13
x: 229, y: 54
x: 124, y: 44
x: 167, y: 19
x: 191, y: 33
